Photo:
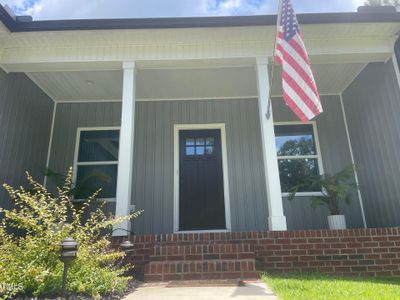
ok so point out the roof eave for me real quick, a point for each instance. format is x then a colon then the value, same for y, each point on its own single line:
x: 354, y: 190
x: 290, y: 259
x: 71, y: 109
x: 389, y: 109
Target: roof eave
x: 192, y: 22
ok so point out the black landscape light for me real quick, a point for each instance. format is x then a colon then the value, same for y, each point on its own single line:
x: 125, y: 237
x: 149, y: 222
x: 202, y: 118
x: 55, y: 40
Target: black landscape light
x: 69, y: 250
x: 126, y: 246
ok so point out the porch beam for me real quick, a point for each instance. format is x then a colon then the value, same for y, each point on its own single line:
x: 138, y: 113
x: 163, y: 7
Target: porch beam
x: 276, y: 218
x: 126, y: 142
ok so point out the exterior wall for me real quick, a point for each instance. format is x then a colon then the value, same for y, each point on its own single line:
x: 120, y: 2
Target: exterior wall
x: 335, y: 156
x: 25, y: 120
x: 68, y: 118
x: 372, y: 105
x: 153, y: 159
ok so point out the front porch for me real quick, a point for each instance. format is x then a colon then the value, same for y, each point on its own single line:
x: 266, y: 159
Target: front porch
x: 188, y: 97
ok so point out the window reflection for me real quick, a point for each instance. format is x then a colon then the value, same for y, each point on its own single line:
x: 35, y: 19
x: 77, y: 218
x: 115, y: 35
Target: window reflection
x: 199, y: 146
x: 297, y: 154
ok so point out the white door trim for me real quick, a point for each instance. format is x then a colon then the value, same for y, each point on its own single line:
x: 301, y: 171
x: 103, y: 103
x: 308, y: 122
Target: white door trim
x: 221, y: 127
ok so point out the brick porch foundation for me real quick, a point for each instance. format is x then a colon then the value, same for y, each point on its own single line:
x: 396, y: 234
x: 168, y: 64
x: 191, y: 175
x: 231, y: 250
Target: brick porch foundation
x: 355, y: 252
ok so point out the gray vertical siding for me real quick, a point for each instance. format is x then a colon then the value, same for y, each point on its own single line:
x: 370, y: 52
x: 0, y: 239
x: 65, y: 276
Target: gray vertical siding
x: 25, y: 122
x: 71, y: 116
x: 335, y: 156
x: 153, y: 160
x: 152, y: 186
x: 372, y: 105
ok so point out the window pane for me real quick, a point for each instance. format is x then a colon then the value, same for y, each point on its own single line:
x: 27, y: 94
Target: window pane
x: 209, y: 141
x: 209, y: 149
x: 189, y: 150
x: 293, y: 172
x: 200, y: 141
x: 199, y: 150
x: 91, y: 178
x: 189, y: 142
x: 98, y: 145
x: 294, y: 140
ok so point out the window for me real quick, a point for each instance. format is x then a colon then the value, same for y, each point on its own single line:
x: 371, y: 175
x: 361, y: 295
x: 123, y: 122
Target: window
x: 199, y: 146
x: 96, y: 162
x: 298, y: 154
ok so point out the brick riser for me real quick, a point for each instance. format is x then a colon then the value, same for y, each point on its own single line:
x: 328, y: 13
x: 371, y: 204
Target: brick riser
x: 201, y: 261
x: 203, y: 269
x: 355, y: 252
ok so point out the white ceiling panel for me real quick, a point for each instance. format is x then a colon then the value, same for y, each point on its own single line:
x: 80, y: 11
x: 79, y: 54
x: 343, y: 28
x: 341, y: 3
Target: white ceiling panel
x: 73, y: 86
x: 182, y: 83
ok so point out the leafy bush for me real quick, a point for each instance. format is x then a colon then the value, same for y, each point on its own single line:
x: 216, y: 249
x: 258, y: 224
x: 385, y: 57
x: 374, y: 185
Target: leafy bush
x: 29, y: 257
x: 334, y: 189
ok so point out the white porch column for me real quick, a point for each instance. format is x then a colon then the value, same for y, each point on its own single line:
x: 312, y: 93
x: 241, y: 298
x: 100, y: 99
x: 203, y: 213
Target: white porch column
x: 126, y: 138
x: 276, y: 219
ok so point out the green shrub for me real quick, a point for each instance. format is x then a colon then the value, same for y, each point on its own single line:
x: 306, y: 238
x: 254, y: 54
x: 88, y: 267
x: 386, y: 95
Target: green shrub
x: 29, y: 258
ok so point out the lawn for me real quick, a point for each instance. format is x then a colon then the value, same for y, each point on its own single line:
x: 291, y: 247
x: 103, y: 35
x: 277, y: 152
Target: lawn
x: 324, y: 287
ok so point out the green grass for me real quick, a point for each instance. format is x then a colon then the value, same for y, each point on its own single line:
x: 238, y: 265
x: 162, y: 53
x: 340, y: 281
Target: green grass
x: 323, y: 287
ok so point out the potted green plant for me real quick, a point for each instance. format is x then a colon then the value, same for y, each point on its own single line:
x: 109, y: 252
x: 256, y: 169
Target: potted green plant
x: 334, y: 190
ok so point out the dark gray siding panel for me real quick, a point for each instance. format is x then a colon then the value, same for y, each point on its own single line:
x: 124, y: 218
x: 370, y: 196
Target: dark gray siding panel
x: 68, y: 118
x: 153, y: 166
x: 152, y: 186
x: 25, y: 122
x: 335, y: 156
x: 372, y: 105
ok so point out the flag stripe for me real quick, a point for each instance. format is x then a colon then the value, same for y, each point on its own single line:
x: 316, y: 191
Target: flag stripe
x: 297, y: 99
x: 300, y: 66
x: 306, y: 99
x: 299, y: 88
x: 293, y: 106
x: 293, y: 57
x: 291, y: 72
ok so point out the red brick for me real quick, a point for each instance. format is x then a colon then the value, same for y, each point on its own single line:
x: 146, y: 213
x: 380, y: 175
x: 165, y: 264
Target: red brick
x: 153, y: 278
x: 307, y: 258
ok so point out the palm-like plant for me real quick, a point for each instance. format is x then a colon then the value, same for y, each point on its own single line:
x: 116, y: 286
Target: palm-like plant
x: 334, y: 189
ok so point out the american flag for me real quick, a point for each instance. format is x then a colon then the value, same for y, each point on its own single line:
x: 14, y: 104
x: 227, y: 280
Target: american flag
x: 299, y: 88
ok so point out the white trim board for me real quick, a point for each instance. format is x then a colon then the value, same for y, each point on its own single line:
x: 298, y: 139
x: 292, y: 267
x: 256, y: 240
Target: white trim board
x: 396, y: 67
x: 76, y: 153
x: 50, y: 142
x: 353, y: 162
x: 221, y: 127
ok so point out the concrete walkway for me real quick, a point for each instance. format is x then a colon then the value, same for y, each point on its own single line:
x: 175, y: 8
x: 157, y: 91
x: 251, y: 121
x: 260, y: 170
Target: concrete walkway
x: 250, y: 291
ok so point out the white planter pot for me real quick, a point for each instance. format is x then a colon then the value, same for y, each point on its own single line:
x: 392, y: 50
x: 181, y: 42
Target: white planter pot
x: 337, y: 222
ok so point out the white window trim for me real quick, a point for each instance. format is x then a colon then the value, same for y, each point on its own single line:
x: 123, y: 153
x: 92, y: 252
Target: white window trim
x: 318, y: 156
x: 221, y: 127
x: 76, y: 153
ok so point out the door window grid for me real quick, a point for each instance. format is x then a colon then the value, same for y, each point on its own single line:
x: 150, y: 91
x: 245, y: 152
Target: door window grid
x: 199, y: 146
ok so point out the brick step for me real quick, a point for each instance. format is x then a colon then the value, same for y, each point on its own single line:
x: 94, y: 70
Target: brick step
x: 197, y: 270
x: 202, y: 252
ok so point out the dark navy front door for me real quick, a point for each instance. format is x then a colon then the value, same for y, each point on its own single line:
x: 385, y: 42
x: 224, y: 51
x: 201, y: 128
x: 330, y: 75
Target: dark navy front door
x: 201, y: 190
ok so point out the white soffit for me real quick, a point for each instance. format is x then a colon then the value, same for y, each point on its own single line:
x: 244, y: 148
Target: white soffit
x: 330, y: 78
x: 182, y: 83
x: 80, y: 85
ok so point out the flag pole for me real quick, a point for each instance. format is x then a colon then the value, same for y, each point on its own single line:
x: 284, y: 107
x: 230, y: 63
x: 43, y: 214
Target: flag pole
x: 278, y: 24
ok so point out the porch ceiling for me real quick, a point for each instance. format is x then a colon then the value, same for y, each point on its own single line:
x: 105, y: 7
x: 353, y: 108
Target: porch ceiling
x: 181, y: 83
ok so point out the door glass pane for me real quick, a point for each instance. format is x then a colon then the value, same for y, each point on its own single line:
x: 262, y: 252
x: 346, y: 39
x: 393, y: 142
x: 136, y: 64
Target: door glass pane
x: 98, y: 145
x: 209, y: 149
x: 292, y: 140
x: 199, y: 150
x: 190, y: 142
x: 199, y: 141
x: 189, y: 150
x: 292, y: 172
x: 91, y: 178
x: 209, y: 141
